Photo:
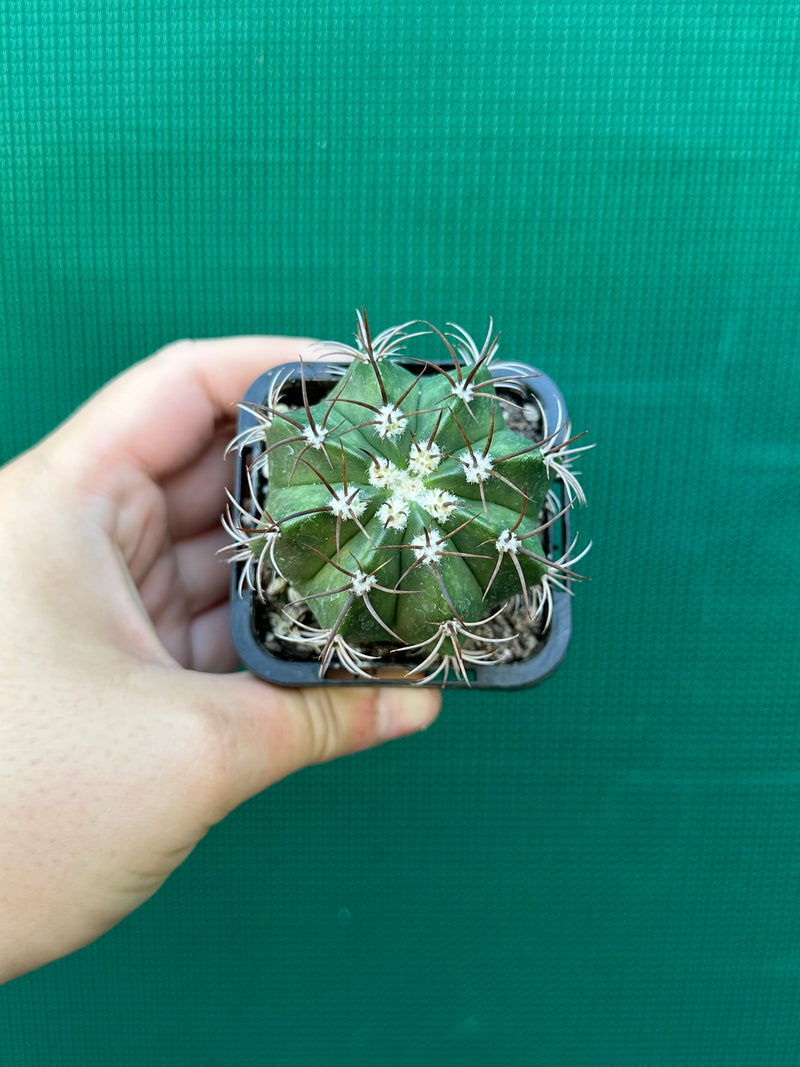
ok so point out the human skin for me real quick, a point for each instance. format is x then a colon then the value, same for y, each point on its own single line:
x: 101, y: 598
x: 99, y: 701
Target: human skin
x: 123, y: 740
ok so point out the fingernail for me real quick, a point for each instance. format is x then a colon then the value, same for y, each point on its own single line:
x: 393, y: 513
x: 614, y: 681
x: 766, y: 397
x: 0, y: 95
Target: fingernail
x: 403, y: 710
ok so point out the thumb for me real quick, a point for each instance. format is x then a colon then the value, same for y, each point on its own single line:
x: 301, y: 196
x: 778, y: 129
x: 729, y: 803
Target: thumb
x: 266, y: 732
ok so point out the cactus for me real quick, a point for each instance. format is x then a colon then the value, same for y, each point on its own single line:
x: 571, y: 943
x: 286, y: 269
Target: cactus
x: 401, y: 510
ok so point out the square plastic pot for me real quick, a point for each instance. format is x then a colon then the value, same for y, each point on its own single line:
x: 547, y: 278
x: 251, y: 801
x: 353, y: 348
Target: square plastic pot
x: 247, y: 611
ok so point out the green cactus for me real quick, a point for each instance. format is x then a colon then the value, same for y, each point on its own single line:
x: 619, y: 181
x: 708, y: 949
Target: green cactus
x: 401, y: 509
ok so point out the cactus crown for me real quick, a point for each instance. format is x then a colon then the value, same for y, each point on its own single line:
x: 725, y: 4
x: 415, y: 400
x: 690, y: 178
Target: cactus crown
x: 402, y: 511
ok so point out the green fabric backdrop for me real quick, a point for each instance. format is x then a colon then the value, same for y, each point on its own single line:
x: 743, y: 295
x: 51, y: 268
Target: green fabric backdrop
x: 600, y: 871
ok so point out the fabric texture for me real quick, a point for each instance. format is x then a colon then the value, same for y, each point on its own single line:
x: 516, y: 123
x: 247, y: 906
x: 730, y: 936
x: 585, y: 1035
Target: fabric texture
x: 599, y: 871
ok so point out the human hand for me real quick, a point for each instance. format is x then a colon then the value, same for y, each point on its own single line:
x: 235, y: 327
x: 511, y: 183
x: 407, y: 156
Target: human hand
x: 121, y: 742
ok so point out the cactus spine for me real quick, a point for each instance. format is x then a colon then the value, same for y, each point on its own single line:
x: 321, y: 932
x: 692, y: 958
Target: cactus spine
x: 401, y: 510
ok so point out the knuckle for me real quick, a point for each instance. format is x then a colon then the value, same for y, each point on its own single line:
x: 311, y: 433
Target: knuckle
x: 181, y: 349
x: 340, y: 723
x: 179, y: 346
x: 324, y: 727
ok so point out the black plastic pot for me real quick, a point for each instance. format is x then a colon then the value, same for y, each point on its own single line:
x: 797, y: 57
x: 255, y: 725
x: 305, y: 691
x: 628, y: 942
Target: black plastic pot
x: 320, y: 378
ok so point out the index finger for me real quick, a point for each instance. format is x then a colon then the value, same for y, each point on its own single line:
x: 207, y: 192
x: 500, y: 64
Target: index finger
x: 161, y: 413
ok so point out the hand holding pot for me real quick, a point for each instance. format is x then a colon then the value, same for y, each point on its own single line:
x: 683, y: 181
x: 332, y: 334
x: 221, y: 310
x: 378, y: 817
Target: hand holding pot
x: 122, y: 740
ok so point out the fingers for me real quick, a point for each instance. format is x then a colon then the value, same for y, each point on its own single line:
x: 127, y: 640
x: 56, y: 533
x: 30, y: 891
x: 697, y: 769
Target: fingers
x: 265, y: 733
x: 186, y: 596
x: 195, y: 497
x: 204, y: 575
x: 211, y: 644
x: 162, y: 413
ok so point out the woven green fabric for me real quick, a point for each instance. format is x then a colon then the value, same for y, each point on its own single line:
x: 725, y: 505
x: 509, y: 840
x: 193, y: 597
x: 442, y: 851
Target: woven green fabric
x: 599, y: 871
